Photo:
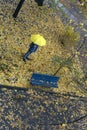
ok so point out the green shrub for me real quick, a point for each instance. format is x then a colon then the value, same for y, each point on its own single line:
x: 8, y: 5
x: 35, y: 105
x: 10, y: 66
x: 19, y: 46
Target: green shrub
x: 70, y: 37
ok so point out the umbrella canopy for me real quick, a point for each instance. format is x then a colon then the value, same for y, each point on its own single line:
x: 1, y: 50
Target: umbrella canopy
x: 38, y: 39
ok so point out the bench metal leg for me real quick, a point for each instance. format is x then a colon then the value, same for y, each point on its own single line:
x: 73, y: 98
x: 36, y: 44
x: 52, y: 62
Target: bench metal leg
x: 18, y: 8
x: 40, y: 2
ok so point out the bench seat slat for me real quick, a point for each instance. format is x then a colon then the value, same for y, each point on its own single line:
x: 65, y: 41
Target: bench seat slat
x: 44, y: 80
x: 44, y: 77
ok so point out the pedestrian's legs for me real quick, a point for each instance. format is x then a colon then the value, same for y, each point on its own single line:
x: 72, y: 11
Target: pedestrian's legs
x: 33, y: 48
x: 27, y: 55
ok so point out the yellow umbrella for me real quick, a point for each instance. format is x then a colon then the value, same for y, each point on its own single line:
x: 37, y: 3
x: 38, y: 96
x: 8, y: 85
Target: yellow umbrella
x: 38, y: 39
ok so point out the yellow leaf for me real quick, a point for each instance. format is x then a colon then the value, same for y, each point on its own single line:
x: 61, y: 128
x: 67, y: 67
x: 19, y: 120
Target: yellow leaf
x: 85, y: 35
x: 64, y: 125
x: 81, y: 24
x: 70, y: 21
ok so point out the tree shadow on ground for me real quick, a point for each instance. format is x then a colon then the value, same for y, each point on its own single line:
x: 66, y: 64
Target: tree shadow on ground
x: 42, y: 110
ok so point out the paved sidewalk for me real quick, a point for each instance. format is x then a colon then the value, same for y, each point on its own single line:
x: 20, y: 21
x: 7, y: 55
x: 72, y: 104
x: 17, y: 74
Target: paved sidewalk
x: 36, y: 109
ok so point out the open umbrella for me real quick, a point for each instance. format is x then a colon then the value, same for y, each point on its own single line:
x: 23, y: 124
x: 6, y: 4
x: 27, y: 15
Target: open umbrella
x: 38, y: 40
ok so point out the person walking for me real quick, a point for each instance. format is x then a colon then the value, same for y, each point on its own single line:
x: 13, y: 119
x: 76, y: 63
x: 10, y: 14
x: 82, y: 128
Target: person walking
x: 36, y: 41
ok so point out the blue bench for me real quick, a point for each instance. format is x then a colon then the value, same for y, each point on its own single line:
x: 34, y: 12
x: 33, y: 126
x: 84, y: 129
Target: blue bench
x: 44, y: 80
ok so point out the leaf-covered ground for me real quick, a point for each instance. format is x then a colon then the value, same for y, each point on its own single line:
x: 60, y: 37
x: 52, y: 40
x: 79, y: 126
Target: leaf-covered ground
x: 15, y: 40
x: 37, y: 109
